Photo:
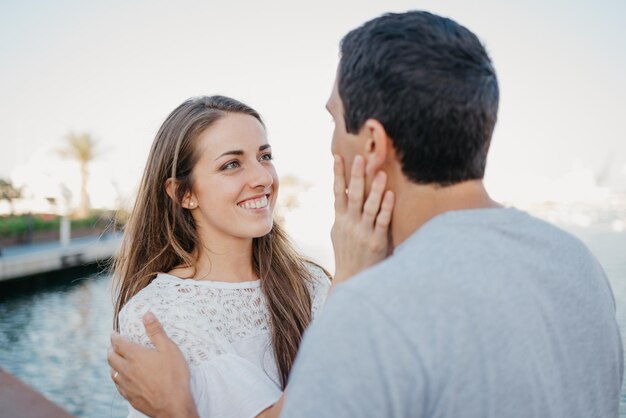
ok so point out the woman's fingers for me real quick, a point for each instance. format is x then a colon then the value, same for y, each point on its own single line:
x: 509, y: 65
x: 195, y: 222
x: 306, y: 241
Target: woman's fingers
x: 339, y: 185
x: 356, y: 189
x: 372, y: 204
x: 383, y: 220
x: 360, y: 232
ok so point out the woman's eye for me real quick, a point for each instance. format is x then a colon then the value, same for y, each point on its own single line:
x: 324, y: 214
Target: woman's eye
x: 230, y: 165
x: 267, y: 157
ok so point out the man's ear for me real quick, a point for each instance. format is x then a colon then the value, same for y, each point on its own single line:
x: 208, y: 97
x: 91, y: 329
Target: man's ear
x: 170, y: 187
x: 376, y: 146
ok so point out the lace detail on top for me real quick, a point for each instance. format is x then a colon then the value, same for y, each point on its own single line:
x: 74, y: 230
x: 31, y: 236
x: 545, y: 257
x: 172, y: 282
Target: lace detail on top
x: 205, y: 318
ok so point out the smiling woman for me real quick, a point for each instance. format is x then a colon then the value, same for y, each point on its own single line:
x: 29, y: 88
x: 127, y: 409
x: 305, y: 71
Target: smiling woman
x: 202, y: 252
x: 234, y: 179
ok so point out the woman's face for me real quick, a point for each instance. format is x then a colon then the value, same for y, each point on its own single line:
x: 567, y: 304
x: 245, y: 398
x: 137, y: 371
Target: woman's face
x: 234, y: 181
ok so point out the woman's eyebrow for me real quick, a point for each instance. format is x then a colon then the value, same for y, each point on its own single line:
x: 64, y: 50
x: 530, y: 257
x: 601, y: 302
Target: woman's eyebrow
x: 240, y: 152
x: 233, y: 152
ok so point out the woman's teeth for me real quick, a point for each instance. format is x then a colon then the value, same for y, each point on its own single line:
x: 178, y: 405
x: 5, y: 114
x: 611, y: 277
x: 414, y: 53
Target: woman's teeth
x: 254, y: 203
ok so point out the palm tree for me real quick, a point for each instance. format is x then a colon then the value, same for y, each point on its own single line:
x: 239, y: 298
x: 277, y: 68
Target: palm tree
x: 9, y: 192
x: 82, y: 148
x: 291, y: 187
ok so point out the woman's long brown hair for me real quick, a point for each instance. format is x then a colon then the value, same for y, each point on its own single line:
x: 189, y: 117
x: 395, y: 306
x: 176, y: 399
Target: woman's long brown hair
x: 161, y: 235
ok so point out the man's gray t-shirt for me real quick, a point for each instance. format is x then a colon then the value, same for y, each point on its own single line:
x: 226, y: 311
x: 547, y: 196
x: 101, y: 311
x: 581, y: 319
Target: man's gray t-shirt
x: 480, y: 313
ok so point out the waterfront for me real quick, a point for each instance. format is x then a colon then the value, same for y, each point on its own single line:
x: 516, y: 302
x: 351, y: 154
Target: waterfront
x: 55, y: 337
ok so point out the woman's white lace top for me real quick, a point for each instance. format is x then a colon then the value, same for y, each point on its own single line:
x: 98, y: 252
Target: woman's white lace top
x: 222, y: 330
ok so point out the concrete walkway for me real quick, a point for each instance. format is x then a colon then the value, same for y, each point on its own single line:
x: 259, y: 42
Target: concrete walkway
x: 19, y: 401
x: 25, y: 260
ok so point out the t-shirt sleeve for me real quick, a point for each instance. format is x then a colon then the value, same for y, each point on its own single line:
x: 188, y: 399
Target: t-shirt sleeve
x: 355, y: 362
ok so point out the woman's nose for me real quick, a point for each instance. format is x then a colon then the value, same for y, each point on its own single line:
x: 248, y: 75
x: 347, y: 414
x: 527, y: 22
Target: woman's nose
x: 260, y: 177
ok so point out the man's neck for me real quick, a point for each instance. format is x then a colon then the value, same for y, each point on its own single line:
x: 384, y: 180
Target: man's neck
x: 416, y: 204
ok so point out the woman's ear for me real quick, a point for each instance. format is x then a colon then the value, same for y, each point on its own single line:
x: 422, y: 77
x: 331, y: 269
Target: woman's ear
x: 376, y: 146
x: 188, y: 201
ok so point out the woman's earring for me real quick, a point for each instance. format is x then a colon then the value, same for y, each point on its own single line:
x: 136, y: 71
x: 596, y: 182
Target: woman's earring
x: 192, y: 204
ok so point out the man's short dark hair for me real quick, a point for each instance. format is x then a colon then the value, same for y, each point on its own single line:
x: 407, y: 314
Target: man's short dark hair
x: 431, y: 84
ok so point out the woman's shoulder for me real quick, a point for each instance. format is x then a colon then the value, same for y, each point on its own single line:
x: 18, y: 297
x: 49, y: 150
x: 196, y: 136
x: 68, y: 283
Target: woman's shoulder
x: 159, y: 296
x: 318, y: 286
x: 152, y: 291
x: 320, y: 276
x: 175, y: 308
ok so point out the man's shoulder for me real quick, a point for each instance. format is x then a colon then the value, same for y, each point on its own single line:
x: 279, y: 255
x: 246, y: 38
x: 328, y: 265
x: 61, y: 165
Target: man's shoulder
x: 560, y: 247
x: 417, y: 259
x: 440, y: 258
x: 385, y: 289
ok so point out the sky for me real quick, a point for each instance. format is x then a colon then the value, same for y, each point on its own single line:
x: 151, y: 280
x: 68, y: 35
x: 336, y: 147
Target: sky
x: 115, y: 69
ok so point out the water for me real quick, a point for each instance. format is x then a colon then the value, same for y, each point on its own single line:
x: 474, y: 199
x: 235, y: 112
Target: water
x: 55, y: 337
x: 55, y: 340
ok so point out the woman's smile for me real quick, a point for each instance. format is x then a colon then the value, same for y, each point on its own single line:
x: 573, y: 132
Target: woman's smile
x: 255, y: 202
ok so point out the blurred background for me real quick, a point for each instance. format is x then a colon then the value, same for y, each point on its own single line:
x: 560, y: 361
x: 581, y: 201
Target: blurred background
x: 84, y: 87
